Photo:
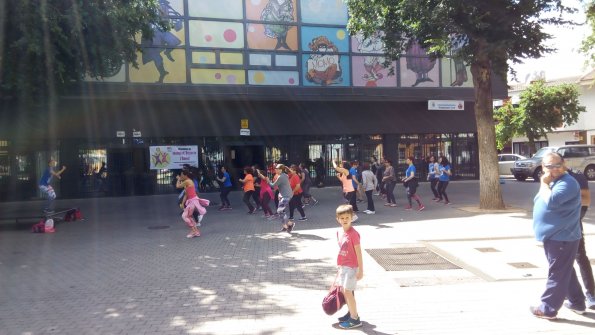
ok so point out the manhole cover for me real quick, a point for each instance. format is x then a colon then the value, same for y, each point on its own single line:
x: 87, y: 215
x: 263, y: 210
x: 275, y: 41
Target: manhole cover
x: 407, y: 259
x: 523, y: 265
x: 157, y: 227
x: 488, y: 249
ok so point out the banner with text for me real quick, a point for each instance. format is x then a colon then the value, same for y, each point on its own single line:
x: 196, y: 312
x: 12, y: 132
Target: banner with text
x: 173, y: 157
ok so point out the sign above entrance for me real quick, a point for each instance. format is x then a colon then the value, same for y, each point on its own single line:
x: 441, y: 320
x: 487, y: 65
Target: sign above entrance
x: 136, y: 134
x: 173, y: 157
x: 244, y: 132
x: 446, y: 105
x: 120, y: 133
x: 244, y: 124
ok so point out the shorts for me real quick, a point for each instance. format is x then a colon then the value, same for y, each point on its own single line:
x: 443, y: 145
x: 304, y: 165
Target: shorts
x: 347, y: 278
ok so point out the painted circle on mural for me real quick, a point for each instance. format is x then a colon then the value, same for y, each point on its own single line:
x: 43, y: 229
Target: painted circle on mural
x: 231, y: 79
x: 230, y: 35
x: 258, y: 77
x: 341, y: 34
x: 255, y: 2
x: 291, y: 81
x: 208, y: 38
x: 217, y: 75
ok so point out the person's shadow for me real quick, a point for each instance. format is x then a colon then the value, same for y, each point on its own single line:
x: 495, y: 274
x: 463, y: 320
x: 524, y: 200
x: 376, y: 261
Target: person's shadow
x: 366, y: 328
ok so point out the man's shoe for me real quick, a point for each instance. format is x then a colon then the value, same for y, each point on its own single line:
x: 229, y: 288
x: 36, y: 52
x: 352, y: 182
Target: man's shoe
x: 590, y: 301
x: 350, y: 324
x: 345, y: 317
x: 303, y: 219
x: 407, y: 208
x: 579, y: 311
x: 538, y: 313
x: 421, y: 208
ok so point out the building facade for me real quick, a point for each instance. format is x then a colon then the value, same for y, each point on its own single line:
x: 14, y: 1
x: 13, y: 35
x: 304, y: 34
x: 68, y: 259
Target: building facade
x: 246, y: 82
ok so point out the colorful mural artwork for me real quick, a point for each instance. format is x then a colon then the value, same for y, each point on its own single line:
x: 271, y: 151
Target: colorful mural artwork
x: 416, y: 61
x: 325, y: 69
x: 220, y: 9
x: 324, y: 11
x: 216, y: 34
x: 257, y: 77
x: 162, y: 42
x: 265, y: 42
x: 369, y: 70
x: 272, y: 11
x: 337, y: 36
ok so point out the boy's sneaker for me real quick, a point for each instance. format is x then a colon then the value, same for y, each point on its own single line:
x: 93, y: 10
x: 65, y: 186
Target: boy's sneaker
x: 579, y: 311
x: 539, y: 314
x: 345, y: 317
x: 351, y: 323
x: 590, y: 301
x: 303, y: 219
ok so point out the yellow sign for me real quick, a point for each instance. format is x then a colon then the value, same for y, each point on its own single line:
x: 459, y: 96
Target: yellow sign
x: 244, y: 124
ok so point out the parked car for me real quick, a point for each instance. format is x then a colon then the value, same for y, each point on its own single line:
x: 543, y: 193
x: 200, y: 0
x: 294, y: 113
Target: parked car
x: 580, y: 157
x: 506, y: 163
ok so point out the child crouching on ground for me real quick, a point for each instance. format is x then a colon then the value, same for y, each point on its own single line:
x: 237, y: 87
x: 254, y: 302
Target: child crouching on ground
x: 350, y: 264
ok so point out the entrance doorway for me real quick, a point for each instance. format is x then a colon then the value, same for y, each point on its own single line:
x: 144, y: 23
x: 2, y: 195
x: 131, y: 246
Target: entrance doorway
x: 246, y: 155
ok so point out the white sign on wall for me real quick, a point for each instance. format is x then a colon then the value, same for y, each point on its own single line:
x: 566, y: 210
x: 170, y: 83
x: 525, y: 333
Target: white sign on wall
x: 446, y: 105
x: 173, y: 157
x: 120, y: 133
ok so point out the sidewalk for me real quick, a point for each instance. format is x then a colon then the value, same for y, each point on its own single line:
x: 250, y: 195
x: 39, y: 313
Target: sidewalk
x: 111, y: 274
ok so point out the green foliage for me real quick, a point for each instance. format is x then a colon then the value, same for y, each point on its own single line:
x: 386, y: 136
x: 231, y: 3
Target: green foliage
x: 47, y: 46
x: 541, y: 109
x: 588, y: 44
x: 501, y: 29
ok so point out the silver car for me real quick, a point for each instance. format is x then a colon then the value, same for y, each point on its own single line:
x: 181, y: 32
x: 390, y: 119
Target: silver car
x: 506, y: 163
x: 580, y: 157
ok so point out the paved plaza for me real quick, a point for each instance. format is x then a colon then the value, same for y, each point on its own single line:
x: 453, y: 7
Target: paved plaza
x: 129, y: 269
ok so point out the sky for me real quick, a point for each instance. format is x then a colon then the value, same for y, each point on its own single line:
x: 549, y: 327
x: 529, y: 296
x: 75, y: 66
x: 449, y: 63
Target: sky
x: 567, y: 61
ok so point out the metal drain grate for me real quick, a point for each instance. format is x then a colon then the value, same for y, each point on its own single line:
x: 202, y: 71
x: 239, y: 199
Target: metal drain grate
x: 157, y: 227
x: 488, y: 249
x: 523, y: 265
x: 408, y: 259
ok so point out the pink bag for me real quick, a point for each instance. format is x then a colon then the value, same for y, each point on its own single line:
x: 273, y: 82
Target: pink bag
x: 333, y: 301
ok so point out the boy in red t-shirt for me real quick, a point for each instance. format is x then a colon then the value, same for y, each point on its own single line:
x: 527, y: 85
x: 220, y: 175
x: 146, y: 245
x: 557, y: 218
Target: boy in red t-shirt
x: 351, y: 266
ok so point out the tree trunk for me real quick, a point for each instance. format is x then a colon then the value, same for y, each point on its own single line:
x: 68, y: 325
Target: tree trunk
x: 490, y: 196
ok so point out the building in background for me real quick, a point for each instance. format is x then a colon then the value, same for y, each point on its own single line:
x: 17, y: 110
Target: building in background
x: 582, y: 132
x: 248, y: 82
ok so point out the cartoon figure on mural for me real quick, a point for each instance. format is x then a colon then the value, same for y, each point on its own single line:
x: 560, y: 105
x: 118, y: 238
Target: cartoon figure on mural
x: 418, y: 62
x: 278, y: 11
x: 372, y: 64
x: 460, y: 69
x: 323, y: 69
x: 162, y: 41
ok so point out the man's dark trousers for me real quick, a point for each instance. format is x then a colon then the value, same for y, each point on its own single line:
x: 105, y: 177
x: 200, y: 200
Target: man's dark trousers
x: 562, y: 281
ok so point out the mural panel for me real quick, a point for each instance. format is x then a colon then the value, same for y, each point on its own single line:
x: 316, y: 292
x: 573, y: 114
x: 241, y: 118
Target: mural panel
x: 203, y: 57
x: 214, y: 34
x: 418, y: 70
x: 218, y: 76
x: 271, y: 10
x: 159, y: 65
x: 319, y: 39
x: 285, y: 60
x: 220, y: 9
x: 324, y: 11
x: 370, y: 45
x: 172, y: 7
x: 282, y: 78
x: 455, y: 73
x: 369, y: 71
x: 325, y: 70
x: 280, y: 37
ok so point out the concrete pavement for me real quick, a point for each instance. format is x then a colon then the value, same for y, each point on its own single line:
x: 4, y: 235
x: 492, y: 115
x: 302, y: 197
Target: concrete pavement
x: 115, y: 273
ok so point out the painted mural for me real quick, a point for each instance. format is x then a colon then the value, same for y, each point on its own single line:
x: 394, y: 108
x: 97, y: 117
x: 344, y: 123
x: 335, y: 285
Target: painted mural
x: 277, y: 42
x: 369, y: 70
x: 159, y: 51
x: 324, y: 12
x: 419, y: 70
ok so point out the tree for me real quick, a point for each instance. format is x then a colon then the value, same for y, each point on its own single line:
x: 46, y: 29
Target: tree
x: 541, y: 109
x: 588, y: 44
x: 47, y: 46
x: 485, y: 34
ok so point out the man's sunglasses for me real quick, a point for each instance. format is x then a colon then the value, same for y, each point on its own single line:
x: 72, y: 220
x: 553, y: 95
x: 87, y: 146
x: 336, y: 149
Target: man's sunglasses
x: 552, y: 166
